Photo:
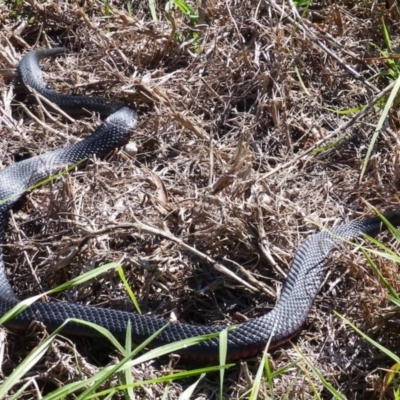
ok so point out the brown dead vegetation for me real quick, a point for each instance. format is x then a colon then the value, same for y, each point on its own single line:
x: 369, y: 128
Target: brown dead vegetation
x: 224, y: 162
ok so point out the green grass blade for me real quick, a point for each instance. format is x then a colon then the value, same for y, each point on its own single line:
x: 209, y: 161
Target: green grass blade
x: 386, y: 36
x: 20, y: 391
x: 98, y: 379
x: 395, y: 300
x: 163, y: 379
x: 166, y: 391
x: 380, y: 124
x: 384, y: 350
x: 132, y: 296
x: 347, y: 111
x: 257, y: 381
x: 188, y: 11
x: 41, y: 183
x: 73, y: 282
x: 379, y: 275
x: 152, y: 7
x: 337, y: 395
x: 27, y: 364
x: 187, y: 394
x: 302, y: 84
x: 268, y: 373
x: 223, y: 349
x: 127, y: 373
x: 125, y: 364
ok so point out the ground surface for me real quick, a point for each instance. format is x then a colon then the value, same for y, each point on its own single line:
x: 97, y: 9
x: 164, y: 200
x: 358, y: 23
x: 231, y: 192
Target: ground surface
x: 231, y: 108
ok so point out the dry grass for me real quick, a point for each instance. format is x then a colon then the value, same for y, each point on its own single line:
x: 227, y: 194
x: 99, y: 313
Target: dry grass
x: 227, y: 122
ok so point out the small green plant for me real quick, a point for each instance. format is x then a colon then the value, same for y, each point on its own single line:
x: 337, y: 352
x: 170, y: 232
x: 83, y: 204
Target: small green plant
x: 192, y: 17
x: 107, y: 8
x: 187, y: 11
x: 390, y: 55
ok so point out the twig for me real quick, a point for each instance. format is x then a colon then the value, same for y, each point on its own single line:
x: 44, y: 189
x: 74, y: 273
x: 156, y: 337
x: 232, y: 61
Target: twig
x: 156, y: 231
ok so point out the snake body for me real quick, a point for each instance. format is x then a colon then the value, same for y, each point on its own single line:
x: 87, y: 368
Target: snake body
x: 276, y: 327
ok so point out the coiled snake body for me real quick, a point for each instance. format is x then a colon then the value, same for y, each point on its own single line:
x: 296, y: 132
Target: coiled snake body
x: 279, y: 325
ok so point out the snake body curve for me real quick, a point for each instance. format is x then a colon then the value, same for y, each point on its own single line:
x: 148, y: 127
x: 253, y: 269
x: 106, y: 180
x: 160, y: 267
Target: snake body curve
x: 276, y: 327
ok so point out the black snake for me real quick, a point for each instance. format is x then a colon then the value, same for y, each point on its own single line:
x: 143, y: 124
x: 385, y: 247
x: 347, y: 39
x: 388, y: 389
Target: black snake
x: 282, y: 323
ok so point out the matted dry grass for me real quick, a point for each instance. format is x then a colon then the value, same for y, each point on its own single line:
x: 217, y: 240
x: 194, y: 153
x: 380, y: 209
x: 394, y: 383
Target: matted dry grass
x: 224, y: 162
